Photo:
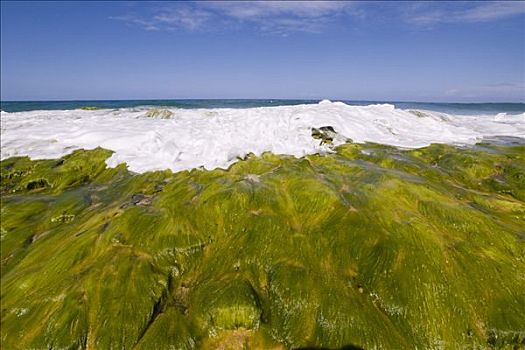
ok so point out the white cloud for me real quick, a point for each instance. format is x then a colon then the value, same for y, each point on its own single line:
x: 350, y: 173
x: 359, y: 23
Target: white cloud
x: 249, y: 10
x: 169, y: 18
x: 493, y: 11
x: 182, y: 17
x: 147, y: 25
x: 284, y: 17
x: 457, y: 12
x: 268, y: 16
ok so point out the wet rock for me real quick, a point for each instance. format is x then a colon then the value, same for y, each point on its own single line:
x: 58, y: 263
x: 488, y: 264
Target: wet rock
x: 138, y: 199
x: 36, y: 184
x: 325, y: 133
x: 141, y: 199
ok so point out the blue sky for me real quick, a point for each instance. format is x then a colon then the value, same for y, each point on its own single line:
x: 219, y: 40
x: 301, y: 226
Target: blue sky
x: 404, y: 51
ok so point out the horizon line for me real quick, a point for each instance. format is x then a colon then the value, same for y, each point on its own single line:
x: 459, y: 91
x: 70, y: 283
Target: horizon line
x: 254, y: 99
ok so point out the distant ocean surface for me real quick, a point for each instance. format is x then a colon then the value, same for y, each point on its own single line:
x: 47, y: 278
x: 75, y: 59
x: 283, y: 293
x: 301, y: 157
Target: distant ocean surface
x: 454, y: 108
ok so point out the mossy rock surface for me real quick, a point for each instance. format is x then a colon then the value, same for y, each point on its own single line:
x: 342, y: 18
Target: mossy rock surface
x: 370, y: 247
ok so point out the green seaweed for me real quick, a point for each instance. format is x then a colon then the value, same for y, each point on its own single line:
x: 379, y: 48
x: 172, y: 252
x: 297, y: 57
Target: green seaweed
x: 367, y: 247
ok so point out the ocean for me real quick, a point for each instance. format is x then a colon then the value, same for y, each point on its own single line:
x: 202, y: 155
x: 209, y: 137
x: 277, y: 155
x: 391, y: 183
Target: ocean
x: 454, y: 108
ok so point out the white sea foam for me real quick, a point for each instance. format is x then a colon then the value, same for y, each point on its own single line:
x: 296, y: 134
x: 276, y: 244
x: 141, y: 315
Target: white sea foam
x: 212, y: 138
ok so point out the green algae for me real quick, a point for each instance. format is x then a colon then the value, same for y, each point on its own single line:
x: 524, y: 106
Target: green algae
x: 368, y: 247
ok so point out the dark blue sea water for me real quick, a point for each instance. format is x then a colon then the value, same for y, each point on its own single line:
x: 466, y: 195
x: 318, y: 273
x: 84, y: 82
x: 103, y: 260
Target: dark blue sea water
x: 456, y: 108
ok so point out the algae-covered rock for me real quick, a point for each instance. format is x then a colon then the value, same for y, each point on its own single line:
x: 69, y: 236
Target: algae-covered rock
x: 159, y: 113
x: 369, y: 247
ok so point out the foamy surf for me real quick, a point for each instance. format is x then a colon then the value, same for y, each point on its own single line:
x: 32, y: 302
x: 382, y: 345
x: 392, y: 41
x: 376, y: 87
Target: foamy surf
x: 217, y: 137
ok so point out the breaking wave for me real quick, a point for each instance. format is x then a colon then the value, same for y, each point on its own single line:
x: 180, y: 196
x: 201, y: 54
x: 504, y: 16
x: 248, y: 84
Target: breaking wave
x: 150, y: 139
